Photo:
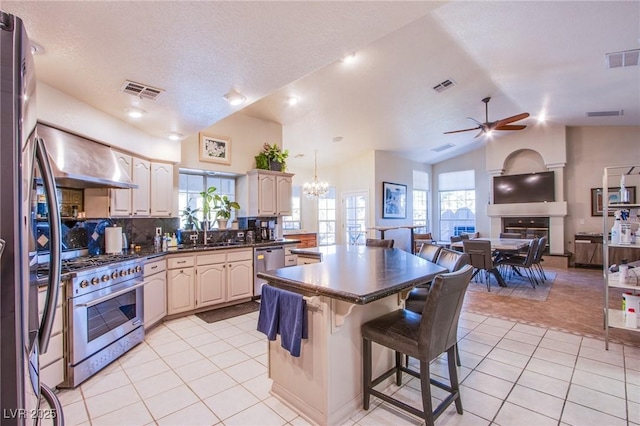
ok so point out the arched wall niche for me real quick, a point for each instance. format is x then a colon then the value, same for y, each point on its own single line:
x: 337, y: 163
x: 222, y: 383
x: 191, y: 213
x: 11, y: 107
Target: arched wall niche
x: 524, y: 161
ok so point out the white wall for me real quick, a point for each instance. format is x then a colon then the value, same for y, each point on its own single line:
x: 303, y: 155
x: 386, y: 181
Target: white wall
x: 68, y: 113
x: 247, y: 134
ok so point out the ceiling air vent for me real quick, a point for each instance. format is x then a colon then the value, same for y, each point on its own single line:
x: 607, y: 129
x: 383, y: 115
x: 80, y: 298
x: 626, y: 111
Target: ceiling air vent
x: 141, y: 90
x: 616, y: 113
x: 628, y: 58
x: 444, y: 86
x: 442, y: 147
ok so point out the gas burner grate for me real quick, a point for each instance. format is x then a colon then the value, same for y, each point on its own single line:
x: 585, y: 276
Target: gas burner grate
x: 85, y: 262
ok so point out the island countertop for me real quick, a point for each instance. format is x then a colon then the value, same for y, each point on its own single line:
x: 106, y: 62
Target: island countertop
x: 356, y: 274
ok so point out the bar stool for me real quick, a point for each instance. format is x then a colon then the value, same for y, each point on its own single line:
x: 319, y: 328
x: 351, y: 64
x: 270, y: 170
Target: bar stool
x: 423, y: 337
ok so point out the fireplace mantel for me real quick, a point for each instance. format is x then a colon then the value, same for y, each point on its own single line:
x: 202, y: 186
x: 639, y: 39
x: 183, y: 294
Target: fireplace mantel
x: 549, y: 209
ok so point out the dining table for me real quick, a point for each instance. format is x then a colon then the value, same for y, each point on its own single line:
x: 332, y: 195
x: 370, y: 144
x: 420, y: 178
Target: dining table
x: 501, y: 247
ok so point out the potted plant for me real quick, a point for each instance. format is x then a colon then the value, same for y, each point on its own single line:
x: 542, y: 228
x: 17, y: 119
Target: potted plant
x: 208, y: 204
x: 272, y: 158
x: 190, y: 218
x: 224, y: 207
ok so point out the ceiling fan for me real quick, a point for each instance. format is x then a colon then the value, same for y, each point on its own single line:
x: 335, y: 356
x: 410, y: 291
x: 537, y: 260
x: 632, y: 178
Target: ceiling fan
x: 488, y: 126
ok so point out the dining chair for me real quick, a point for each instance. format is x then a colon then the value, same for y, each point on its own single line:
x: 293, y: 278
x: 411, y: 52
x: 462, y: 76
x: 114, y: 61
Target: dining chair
x: 525, y: 263
x: 537, y: 262
x: 513, y: 235
x: 420, y: 239
x: 481, y: 258
x: 374, y: 242
x: 429, y: 252
x: 423, y: 336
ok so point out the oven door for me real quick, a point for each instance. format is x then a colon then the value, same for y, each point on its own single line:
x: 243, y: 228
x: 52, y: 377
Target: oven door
x: 102, y: 317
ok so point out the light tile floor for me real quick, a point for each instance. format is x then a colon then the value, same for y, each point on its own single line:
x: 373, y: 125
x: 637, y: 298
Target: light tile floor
x: 188, y: 372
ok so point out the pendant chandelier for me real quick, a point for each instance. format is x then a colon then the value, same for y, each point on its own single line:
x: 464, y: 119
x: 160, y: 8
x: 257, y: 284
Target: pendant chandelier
x: 315, y: 189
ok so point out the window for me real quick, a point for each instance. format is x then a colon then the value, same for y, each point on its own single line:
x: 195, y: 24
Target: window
x: 420, y: 200
x: 457, y: 201
x: 192, y: 184
x: 293, y: 221
x: 327, y: 218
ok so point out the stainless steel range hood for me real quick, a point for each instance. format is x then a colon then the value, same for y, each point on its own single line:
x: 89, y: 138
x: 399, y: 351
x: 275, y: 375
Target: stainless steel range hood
x: 82, y: 163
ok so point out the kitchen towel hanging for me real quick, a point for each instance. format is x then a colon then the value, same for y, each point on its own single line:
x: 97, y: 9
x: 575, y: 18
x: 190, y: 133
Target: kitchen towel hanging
x: 113, y: 240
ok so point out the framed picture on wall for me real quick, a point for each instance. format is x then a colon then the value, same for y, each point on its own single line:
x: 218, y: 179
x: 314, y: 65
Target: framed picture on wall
x: 394, y: 200
x: 215, y: 149
x: 614, y: 198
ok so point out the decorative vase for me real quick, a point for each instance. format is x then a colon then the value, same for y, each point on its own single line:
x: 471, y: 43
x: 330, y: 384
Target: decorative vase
x: 275, y: 166
x: 222, y: 223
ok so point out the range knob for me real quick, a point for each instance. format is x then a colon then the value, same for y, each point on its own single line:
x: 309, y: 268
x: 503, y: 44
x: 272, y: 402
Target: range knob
x: 123, y: 273
x: 131, y: 270
x: 84, y: 284
x: 114, y: 275
x: 105, y: 277
x: 95, y: 280
x: 138, y: 268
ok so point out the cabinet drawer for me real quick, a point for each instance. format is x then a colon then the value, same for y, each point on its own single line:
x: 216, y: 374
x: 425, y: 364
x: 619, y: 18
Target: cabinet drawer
x: 155, y: 267
x: 287, y: 250
x: 211, y: 258
x: 234, y: 256
x: 54, y: 352
x: 42, y: 297
x: 291, y: 260
x: 180, y: 262
x: 52, y: 375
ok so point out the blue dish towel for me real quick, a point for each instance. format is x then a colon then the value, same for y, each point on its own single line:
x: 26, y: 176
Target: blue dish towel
x: 283, y: 312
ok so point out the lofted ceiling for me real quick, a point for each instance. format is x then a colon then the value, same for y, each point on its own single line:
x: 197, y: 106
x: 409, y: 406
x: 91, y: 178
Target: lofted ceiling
x: 541, y: 57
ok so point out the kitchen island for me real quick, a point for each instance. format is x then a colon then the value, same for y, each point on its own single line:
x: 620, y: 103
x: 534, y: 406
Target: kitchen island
x: 351, y: 285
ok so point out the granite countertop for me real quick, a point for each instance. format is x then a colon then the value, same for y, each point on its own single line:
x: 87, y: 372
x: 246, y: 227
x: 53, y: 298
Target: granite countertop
x: 151, y: 253
x: 355, y: 274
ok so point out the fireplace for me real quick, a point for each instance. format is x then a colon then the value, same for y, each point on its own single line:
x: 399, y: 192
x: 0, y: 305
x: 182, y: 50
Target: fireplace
x: 527, y: 227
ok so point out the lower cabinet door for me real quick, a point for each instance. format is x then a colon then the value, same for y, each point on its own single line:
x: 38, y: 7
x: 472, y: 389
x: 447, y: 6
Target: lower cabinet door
x: 155, y: 299
x: 240, y: 282
x: 181, y: 290
x: 210, y: 288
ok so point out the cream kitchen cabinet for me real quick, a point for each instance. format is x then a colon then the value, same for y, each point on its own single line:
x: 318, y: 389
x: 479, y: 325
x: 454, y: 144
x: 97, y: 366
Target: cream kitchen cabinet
x: 269, y: 193
x: 162, y: 189
x: 181, y: 284
x: 224, y: 276
x: 141, y: 196
x: 155, y: 292
x: 120, y: 199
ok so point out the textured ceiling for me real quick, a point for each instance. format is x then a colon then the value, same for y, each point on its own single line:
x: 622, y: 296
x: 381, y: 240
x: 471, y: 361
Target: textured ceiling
x: 528, y: 56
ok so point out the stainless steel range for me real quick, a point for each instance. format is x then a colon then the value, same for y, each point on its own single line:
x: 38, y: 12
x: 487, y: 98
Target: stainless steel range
x: 104, y: 312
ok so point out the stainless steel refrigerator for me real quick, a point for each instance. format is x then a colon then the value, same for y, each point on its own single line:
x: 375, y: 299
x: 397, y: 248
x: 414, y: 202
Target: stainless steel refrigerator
x: 23, y: 336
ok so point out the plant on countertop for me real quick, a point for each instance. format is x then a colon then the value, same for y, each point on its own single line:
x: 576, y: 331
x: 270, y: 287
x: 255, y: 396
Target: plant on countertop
x: 190, y: 218
x: 220, y: 204
x: 271, y: 153
x: 224, y: 206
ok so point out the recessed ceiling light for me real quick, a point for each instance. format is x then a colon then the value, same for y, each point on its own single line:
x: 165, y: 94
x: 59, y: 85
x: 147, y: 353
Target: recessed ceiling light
x: 36, y: 49
x: 292, y: 100
x: 235, y: 98
x: 135, y: 112
x: 175, y: 136
x: 350, y: 58
x: 542, y: 117
x: 338, y: 139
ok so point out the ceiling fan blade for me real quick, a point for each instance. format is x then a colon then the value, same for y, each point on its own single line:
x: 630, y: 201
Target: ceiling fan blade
x: 463, y: 130
x: 475, y: 121
x: 511, y: 119
x: 511, y: 127
x: 481, y: 132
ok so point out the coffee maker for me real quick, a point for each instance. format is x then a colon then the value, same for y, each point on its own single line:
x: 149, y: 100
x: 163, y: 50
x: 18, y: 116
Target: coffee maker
x: 263, y: 228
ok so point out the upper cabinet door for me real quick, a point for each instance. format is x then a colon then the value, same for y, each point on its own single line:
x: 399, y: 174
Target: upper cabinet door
x: 121, y: 198
x: 267, y: 195
x: 141, y: 196
x: 161, y: 189
x: 283, y: 194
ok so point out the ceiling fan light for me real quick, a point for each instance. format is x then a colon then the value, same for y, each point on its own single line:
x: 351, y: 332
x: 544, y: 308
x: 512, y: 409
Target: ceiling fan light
x: 235, y: 98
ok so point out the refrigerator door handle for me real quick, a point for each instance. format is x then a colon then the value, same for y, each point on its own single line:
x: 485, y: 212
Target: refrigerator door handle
x: 54, y: 403
x: 53, y: 283
x: 2, y: 243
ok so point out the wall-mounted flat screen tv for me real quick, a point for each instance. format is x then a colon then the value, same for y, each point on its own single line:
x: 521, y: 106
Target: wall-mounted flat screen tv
x: 526, y: 188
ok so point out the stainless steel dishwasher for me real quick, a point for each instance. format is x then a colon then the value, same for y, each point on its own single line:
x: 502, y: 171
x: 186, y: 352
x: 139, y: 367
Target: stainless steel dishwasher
x: 266, y: 259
